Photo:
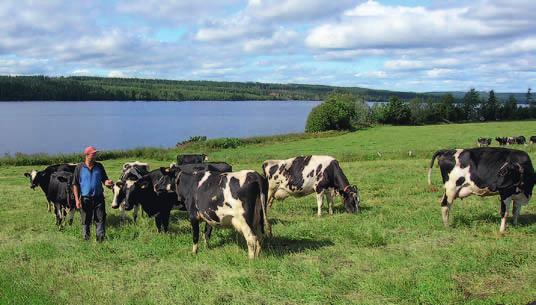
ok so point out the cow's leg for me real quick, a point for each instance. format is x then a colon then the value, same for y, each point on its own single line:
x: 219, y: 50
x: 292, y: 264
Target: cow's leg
x: 70, y: 216
x: 271, y: 196
x: 319, y: 202
x: 135, y: 212
x: 158, y: 222
x: 240, y: 224
x: 446, y: 204
x: 208, y: 233
x: 57, y: 212
x: 516, y: 212
x: 195, y: 233
x: 122, y: 213
x: 50, y: 206
x: 505, y: 204
x: 164, y: 216
x: 329, y: 197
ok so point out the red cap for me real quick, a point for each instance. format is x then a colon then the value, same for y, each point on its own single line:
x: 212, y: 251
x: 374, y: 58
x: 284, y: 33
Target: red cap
x: 90, y: 150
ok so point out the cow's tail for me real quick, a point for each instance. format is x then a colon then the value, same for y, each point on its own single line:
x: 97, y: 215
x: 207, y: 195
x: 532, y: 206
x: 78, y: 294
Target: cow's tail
x: 437, y: 153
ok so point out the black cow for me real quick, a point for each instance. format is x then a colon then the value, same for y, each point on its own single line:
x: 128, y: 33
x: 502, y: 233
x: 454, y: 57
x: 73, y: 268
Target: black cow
x: 236, y: 199
x: 143, y: 192
x: 42, y: 179
x: 532, y: 140
x: 60, y: 193
x: 301, y: 176
x: 191, y: 159
x: 132, y: 171
x: 485, y: 171
x: 502, y: 140
x: 483, y: 142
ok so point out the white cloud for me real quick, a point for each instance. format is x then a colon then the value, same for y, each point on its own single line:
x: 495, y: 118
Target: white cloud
x: 373, y: 25
x: 117, y: 73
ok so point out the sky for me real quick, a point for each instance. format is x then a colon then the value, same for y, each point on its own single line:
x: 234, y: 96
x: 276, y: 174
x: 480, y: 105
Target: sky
x: 395, y: 45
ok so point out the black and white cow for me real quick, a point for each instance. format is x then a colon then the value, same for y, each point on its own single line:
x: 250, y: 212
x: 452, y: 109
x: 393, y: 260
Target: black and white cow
x: 132, y: 171
x: 304, y: 175
x: 521, y: 140
x: 485, y: 171
x: 60, y: 193
x: 191, y: 159
x: 42, y: 179
x: 532, y: 140
x: 502, y: 140
x: 483, y: 142
x: 143, y: 192
x: 235, y: 199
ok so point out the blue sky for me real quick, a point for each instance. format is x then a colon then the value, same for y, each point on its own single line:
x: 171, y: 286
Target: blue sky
x: 397, y: 45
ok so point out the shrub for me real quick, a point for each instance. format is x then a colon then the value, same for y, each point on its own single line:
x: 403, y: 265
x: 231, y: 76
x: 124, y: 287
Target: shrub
x: 397, y: 112
x: 338, y: 112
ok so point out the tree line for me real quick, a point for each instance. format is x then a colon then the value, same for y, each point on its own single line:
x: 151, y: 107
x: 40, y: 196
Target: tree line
x: 342, y: 111
x: 83, y: 88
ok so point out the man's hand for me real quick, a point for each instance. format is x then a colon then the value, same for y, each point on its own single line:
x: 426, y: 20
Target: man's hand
x: 109, y: 183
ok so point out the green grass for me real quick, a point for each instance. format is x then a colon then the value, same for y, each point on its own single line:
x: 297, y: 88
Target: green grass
x: 395, y: 251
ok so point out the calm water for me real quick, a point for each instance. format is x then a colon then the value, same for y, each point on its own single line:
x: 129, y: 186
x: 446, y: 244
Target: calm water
x: 66, y: 127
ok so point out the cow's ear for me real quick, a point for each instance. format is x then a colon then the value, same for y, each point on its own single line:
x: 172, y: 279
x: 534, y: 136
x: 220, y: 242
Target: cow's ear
x: 27, y: 175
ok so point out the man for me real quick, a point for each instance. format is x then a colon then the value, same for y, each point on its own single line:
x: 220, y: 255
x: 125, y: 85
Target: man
x: 89, y: 194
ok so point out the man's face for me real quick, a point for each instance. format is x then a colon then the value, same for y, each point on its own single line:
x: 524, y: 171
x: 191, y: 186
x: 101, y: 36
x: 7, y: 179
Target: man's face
x: 91, y: 157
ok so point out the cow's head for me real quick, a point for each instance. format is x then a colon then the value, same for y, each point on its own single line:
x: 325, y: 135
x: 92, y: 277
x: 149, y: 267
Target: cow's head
x: 351, y: 199
x: 119, y: 190
x: 34, y: 178
x: 166, y: 183
x: 133, y: 190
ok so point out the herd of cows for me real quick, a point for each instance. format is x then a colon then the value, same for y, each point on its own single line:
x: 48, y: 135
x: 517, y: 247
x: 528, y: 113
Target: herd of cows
x: 520, y: 140
x: 211, y: 192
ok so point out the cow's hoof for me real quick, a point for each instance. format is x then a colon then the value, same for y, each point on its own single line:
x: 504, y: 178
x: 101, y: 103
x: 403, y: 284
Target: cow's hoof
x: 194, y: 249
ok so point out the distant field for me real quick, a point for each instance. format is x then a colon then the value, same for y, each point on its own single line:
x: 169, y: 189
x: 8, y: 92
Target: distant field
x: 395, y: 251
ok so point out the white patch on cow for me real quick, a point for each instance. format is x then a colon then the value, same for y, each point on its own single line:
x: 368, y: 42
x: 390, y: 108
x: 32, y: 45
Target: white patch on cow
x: 130, y: 183
x: 116, y: 191
x: 33, y: 175
x: 205, y: 177
x: 135, y: 163
x: 168, y: 187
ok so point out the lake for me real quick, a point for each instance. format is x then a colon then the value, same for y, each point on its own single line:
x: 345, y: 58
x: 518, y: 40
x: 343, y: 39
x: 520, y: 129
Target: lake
x: 67, y: 127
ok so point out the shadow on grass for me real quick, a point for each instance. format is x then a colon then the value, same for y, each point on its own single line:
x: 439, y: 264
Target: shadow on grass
x: 524, y: 220
x: 339, y: 209
x: 281, y: 246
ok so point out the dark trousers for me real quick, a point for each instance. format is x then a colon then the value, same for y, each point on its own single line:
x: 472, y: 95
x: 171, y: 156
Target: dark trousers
x: 93, y: 209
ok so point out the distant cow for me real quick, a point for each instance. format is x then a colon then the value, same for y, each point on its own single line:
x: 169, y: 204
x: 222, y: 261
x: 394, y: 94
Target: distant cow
x: 483, y: 142
x: 502, y: 140
x: 301, y: 176
x: 532, y: 140
x: 521, y: 140
x: 484, y: 172
x: 191, y: 159
x: 236, y: 199
x: 42, y: 179
x: 132, y: 171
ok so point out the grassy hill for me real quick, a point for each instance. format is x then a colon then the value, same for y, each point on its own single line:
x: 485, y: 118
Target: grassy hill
x: 395, y: 251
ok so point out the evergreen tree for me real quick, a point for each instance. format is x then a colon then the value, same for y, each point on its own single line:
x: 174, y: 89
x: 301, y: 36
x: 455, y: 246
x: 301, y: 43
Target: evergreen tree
x: 471, y: 101
x: 490, y: 107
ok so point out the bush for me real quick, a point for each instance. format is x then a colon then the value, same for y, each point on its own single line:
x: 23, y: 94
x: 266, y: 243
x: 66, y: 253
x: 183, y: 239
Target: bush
x: 397, y: 112
x: 338, y: 112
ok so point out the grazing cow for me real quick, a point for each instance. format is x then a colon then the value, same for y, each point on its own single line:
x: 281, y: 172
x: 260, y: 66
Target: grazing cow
x: 483, y: 142
x: 236, y: 199
x: 191, y: 159
x: 143, y: 192
x: 301, y: 176
x: 502, y: 140
x: 132, y: 171
x: 532, y: 140
x: 485, y: 171
x: 42, y: 179
x: 521, y: 140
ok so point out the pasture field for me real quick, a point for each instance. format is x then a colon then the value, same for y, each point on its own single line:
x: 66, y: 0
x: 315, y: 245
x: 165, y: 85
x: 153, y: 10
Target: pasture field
x: 395, y: 251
